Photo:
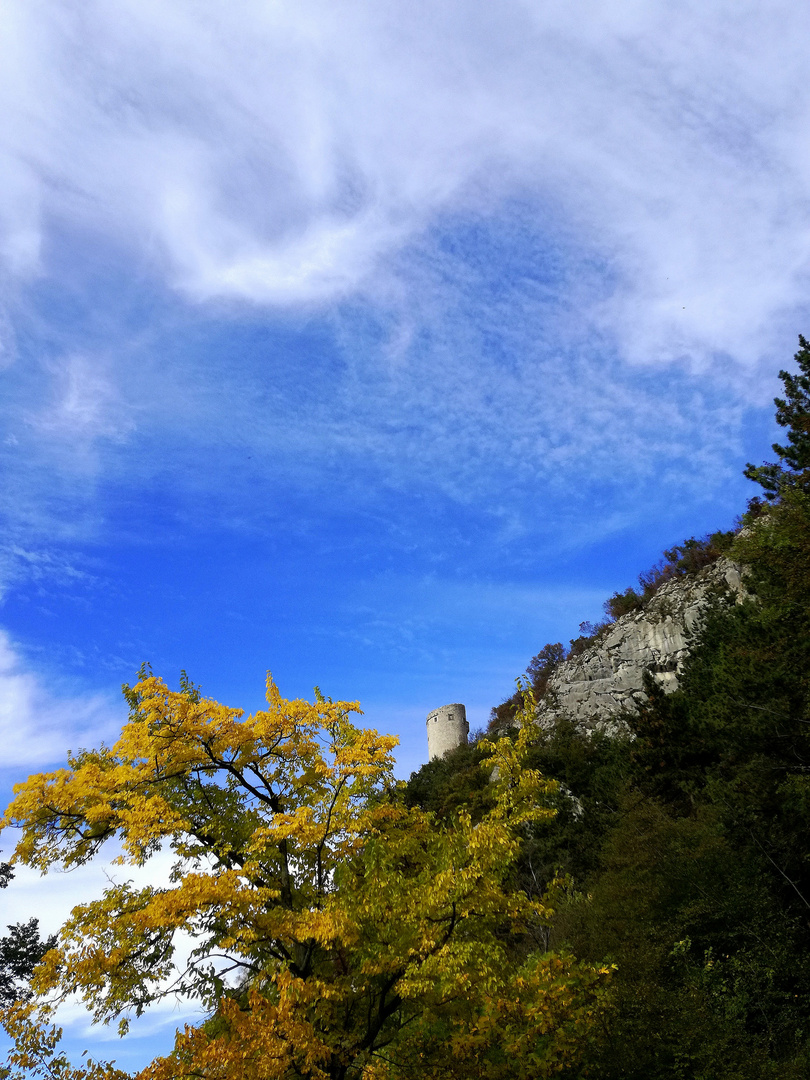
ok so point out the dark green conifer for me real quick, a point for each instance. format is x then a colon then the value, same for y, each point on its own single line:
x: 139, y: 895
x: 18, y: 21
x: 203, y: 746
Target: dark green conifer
x: 793, y: 413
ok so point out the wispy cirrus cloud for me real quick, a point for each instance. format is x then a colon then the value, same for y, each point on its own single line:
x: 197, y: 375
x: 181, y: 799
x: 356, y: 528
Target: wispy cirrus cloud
x: 550, y: 253
x: 282, y: 153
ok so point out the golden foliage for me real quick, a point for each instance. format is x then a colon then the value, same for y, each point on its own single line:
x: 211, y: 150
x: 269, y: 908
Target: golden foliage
x: 337, y: 932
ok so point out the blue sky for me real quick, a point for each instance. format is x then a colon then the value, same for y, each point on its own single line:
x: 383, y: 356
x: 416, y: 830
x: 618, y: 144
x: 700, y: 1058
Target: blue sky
x: 374, y: 344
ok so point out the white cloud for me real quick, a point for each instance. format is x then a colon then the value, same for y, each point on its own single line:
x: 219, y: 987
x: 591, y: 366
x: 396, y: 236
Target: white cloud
x: 283, y: 152
x: 50, y: 899
x: 512, y: 217
x: 37, y: 726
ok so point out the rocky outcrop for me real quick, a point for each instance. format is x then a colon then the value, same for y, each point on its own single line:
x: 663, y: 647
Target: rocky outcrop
x: 607, y: 678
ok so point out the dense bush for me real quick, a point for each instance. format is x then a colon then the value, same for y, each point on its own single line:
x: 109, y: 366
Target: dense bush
x: 623, y: 603
x: 539, y: 670
x: 682, y: 560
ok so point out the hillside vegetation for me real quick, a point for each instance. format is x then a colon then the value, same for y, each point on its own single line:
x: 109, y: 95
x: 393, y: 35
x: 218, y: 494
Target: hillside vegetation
x: 683, y: 846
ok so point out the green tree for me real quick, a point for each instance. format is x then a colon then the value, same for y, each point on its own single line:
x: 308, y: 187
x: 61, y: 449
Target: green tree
x: 20, y: 951
x: 702, y: 895
x: 686, y: 855
x: 793, y: 413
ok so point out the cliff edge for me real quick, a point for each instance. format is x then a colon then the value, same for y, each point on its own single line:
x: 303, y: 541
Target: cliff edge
x: 606, y: 679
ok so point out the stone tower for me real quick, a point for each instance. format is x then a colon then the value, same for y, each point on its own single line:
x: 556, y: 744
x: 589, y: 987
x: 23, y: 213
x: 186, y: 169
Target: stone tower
x: 447, y: 728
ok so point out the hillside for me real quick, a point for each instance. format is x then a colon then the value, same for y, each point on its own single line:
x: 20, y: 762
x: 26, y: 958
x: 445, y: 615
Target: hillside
x: 647, y: 632
x: 597, y: 686
x: 678, y: 733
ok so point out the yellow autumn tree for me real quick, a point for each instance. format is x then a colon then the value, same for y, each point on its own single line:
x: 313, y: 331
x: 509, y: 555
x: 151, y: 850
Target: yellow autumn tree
x: 337, y: 933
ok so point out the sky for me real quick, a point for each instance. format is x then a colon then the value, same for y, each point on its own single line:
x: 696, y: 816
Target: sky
x: 372, y: 344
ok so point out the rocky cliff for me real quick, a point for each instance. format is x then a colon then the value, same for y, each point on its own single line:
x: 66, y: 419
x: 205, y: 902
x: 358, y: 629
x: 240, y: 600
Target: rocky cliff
x: 606, y: 679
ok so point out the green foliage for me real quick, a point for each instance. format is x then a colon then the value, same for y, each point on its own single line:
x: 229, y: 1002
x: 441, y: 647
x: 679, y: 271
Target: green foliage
x: 454, y: 782
x: 20, y: 951
x: 683, y: 850
x: 539, y: 670
x: 793, y: 413
x: 592, y: 772
x: 702, y: 893
x: 706, y: 983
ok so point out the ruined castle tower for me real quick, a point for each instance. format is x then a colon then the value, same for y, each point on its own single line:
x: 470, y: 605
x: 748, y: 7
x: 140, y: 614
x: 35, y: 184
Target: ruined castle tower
x: 447, y: 728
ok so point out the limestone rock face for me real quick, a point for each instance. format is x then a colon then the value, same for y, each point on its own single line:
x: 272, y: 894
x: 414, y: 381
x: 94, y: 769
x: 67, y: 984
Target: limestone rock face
x: 607, y: 678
